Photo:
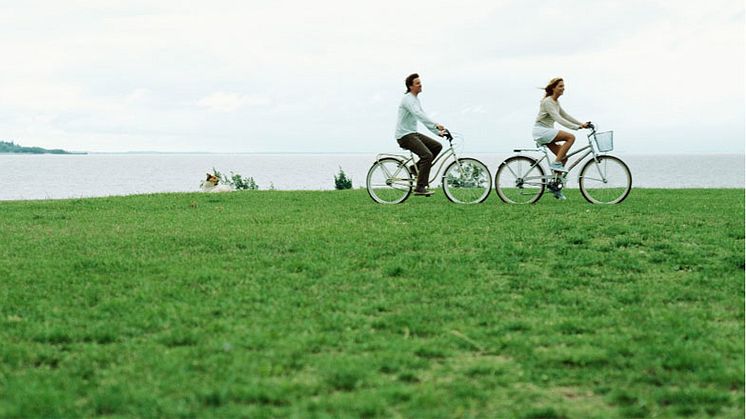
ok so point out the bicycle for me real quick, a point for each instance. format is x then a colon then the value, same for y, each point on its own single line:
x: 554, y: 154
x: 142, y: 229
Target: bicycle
x: 465, y: 180
x: 603, y: 179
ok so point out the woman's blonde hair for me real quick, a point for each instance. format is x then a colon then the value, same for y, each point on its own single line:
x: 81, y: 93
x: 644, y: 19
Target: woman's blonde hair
x: 549, y: 89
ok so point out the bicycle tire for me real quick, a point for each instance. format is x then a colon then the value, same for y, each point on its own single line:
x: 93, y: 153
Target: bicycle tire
x: 512, y: 185
x: 467, y: 181
x: 389, y: 181
x: 605, y: 180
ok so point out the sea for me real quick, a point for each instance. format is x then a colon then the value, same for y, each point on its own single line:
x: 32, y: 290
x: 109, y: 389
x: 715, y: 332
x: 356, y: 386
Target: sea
x: 48, y: 176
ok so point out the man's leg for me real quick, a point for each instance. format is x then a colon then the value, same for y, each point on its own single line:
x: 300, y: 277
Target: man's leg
x: 413, y: 143
x: 434, y: 147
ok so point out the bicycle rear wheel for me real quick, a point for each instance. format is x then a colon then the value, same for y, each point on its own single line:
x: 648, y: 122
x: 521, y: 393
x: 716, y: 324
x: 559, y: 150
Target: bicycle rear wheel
x: 519, y: 180
x: 607, y: 181
x: 467, y: 181
x: 389, y: 181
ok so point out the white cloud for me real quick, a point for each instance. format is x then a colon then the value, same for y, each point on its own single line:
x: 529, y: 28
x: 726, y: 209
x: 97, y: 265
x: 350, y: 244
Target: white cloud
x: 279, y: 75
x: 138, y: 95
x: 474, y: 109
x: 230, y: 102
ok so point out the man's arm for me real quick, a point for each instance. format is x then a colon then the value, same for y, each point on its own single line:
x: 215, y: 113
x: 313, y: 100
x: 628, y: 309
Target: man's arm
x: 413, y: 106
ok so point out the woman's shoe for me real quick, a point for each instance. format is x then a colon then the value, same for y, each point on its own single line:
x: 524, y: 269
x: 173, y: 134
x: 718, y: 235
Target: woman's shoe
x: 559, y: 195
x: 557, y: 166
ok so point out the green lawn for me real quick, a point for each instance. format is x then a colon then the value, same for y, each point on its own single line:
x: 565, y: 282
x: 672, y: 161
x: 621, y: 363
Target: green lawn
x: 270, y: 303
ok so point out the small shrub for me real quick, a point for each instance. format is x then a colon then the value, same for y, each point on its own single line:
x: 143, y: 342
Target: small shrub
x: 236, y: 181
x: 243, y: 182
x: 341, y: 181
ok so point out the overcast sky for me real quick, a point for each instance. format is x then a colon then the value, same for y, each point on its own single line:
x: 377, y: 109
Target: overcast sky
x: 327, y: 76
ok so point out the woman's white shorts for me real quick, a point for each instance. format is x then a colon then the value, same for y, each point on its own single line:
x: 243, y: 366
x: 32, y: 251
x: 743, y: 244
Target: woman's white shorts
x: 543, y: 135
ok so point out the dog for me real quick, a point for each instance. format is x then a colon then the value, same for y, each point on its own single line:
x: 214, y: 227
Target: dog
x: 211, y: 185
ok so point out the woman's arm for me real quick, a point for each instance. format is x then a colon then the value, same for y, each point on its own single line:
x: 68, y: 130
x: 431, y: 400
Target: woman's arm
x: 568, y: 117
x: 554, y: 110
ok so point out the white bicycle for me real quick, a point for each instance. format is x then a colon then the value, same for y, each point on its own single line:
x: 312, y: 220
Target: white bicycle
x: 465, y: 180
x: 603, y: 179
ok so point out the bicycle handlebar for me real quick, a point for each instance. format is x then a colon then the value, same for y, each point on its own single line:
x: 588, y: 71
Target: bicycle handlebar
x: 447, y: 135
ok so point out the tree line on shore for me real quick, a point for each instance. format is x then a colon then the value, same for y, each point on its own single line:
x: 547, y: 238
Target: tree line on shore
x: 11, y: 147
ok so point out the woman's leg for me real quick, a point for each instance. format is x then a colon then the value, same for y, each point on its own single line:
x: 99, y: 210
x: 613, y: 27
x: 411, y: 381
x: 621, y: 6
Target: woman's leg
x: 555, y: 149
x: 561, y: 150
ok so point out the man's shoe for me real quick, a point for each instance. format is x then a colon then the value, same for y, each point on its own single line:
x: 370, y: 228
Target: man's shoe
x: 422, y: 192
x: 557, y: 166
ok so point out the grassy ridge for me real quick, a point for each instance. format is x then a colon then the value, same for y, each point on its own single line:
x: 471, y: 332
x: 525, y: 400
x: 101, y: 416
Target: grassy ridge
x: 323, y: 303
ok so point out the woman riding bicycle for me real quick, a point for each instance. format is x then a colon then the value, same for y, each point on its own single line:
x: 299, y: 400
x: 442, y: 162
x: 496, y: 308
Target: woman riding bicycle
x: 544, y: 132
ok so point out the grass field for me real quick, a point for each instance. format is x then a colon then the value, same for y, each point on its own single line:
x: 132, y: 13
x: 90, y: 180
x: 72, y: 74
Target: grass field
x: 270, y: 303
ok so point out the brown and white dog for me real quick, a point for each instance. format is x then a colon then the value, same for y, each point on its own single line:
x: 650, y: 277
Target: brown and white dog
x: 211, y: 185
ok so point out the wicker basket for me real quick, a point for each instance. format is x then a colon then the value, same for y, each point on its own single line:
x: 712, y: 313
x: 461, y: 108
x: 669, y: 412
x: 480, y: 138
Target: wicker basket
x: 604, y: 141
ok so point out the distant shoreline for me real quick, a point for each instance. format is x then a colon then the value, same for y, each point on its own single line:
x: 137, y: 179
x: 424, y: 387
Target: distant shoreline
x: 9, y: 147
x: 32, y: 153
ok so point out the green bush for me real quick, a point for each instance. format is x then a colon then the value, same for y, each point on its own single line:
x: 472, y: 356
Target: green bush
x: 236, y: 181
x: 342, y: 181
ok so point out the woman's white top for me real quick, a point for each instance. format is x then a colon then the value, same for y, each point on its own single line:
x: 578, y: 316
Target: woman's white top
x: 550, y: 112
x: 410, y: 111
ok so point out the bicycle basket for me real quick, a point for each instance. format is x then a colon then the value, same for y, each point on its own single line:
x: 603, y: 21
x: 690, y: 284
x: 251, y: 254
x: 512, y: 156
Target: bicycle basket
x: 604, y: 141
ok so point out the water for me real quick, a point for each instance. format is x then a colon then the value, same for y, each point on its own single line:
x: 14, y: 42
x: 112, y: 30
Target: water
x: 74, y: 176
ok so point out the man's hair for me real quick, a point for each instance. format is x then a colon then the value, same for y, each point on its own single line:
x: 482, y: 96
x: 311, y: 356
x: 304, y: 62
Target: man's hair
x: 409, y: 81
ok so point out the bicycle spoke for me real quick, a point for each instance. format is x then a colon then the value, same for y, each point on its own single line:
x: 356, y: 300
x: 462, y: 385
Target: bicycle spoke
x: 385, y: 182
x: 519, y: 180
x: 467, y: 181
x: 612, y: 185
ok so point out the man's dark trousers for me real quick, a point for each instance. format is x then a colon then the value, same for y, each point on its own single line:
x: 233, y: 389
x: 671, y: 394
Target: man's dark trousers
x: 424, y: 147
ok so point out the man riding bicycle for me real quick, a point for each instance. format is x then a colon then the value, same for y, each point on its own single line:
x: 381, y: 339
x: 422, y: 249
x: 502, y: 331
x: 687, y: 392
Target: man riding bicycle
x: 410, y: 111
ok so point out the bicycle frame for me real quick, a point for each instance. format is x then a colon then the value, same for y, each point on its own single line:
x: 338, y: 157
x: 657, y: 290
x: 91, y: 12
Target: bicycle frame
x: 441, y: 160
x: 543, y: 149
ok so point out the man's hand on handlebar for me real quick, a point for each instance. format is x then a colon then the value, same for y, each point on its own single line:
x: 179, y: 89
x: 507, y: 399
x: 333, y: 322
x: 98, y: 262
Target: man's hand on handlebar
x: 588, y: 124
x: 443, y: 132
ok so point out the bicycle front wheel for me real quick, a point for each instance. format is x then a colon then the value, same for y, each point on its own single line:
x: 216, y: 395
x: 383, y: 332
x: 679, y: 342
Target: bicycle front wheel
x: 519, y: 180
x: 389, y: 181
x: 467, y: 181
x: 605, y: 180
